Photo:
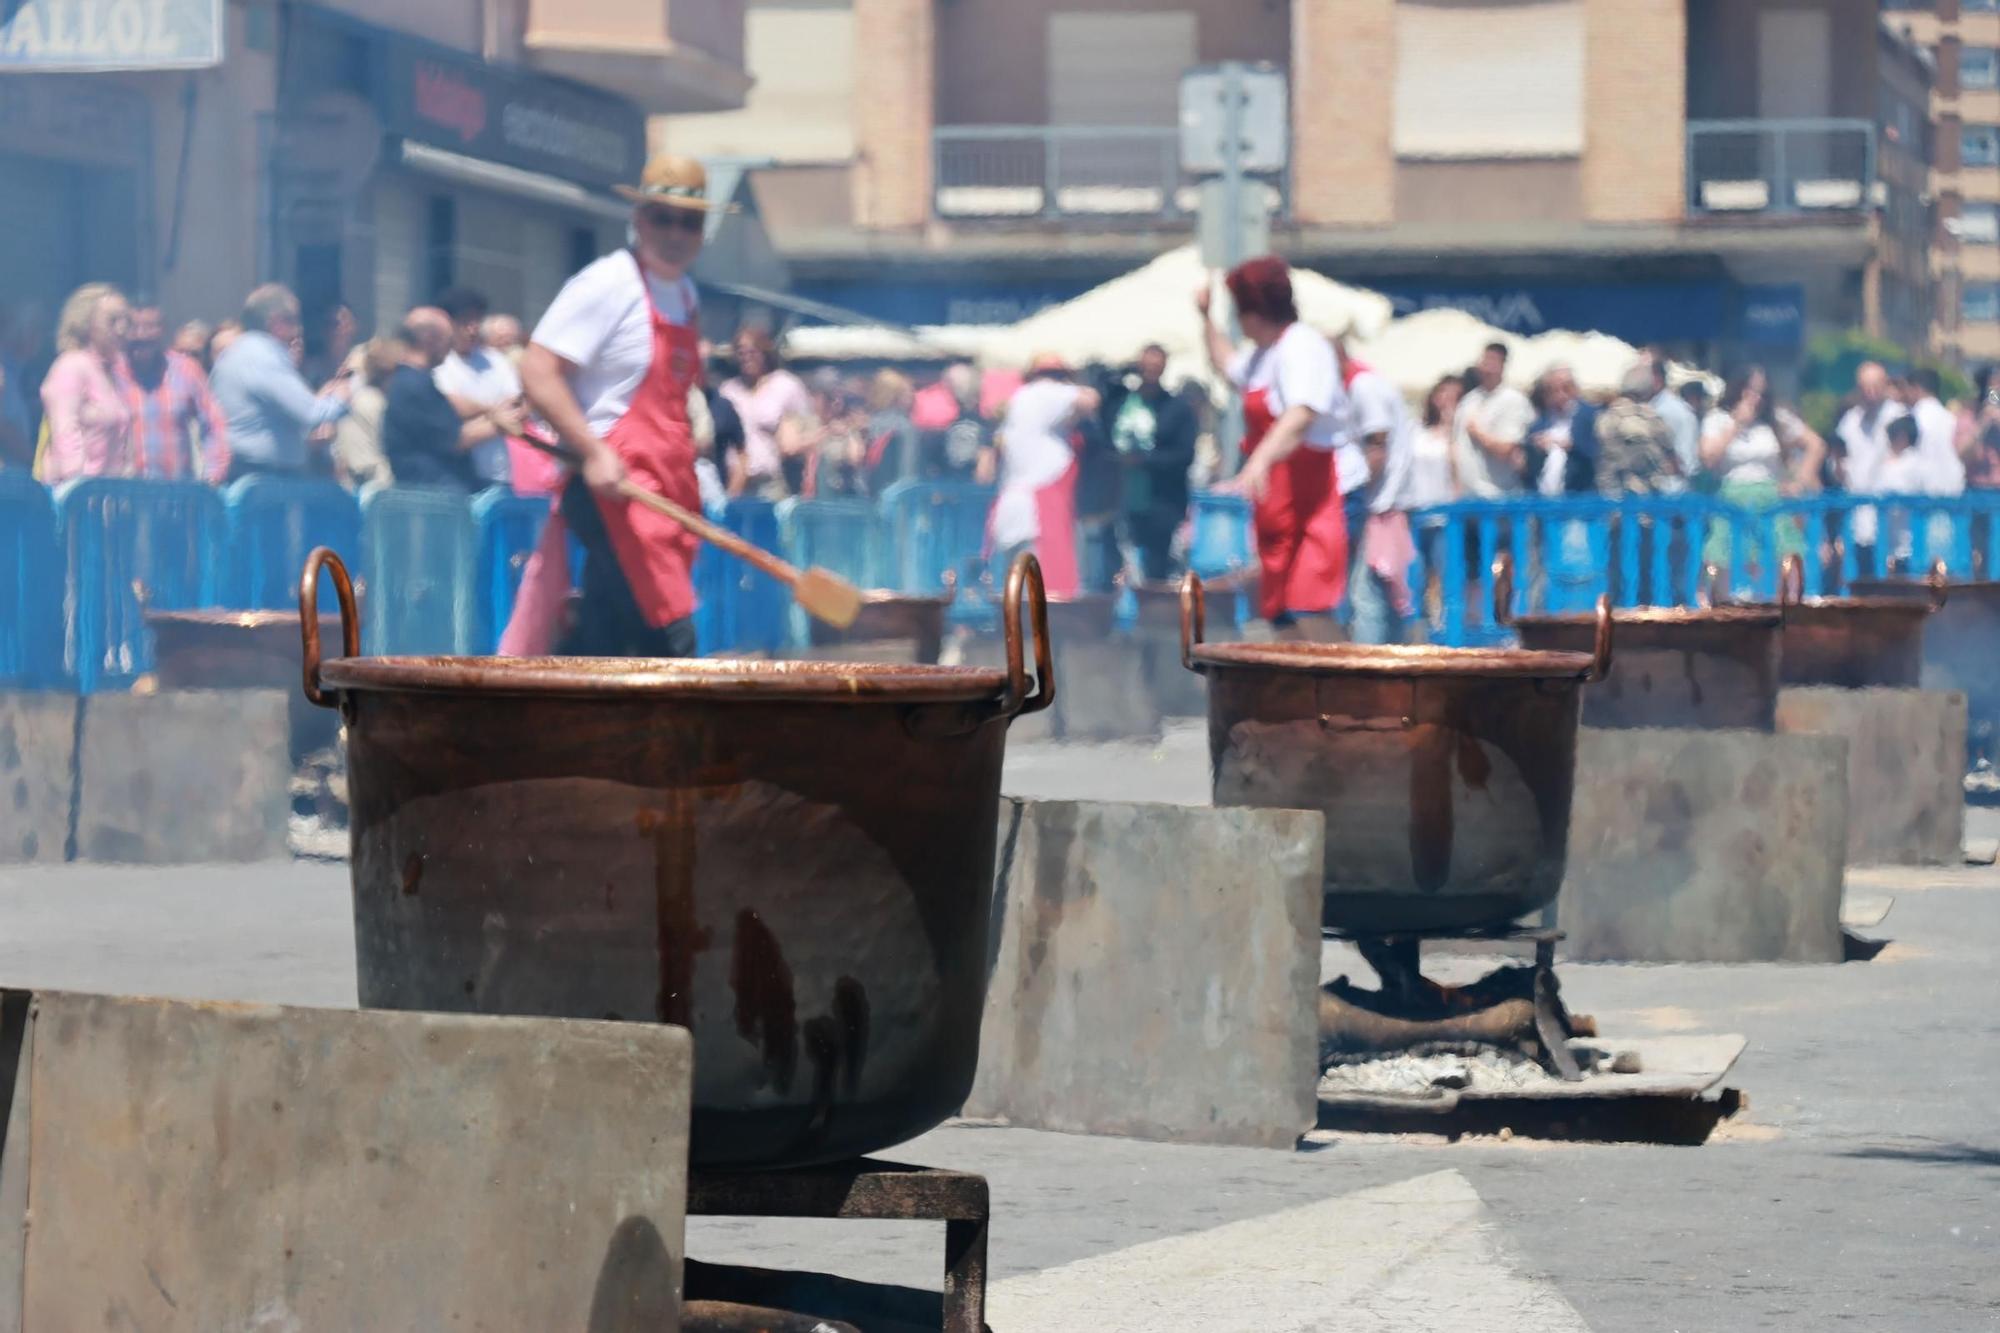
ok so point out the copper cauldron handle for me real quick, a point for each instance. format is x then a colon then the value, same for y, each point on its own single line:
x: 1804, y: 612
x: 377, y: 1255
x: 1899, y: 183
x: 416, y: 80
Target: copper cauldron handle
x: 1503, y: 588
x: 1600, y: 656
x: 1713, y: 588
x: 1026, y: 575
x: 1791, y: 581
x: 1194, y: 618
x: 350, y: 623
x: 1940, y: 576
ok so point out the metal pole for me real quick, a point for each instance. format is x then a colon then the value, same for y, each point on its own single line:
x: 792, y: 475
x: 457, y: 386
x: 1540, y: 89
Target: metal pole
x: 1229, y: 429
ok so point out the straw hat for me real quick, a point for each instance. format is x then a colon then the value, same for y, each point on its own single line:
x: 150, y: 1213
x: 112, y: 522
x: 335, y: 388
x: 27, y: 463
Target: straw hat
x: 680, y: 181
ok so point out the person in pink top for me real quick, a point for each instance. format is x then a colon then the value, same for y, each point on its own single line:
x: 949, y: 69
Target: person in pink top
x: 89, y: 419
x: 777, y: 414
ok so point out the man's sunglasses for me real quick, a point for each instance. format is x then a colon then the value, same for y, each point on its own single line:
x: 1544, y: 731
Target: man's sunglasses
x: 680, y: 219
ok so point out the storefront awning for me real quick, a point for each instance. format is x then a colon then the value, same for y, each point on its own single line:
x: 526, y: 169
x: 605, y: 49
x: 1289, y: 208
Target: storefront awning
x: 535, y: 185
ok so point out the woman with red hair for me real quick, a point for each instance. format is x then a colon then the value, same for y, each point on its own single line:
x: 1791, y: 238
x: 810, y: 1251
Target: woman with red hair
x: 1293, y: 406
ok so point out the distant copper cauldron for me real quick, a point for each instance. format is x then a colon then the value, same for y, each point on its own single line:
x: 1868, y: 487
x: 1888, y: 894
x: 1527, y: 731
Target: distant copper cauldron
x: 1696, y: 667
x: 794, y: 860
x: 1444, y: 773
x: 1961, y: 645
x: 894, y: 617
x: 1852, y: 642
x: 240, y: 650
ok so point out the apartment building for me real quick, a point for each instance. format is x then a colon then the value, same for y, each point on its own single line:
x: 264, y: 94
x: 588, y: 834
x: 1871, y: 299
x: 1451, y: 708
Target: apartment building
x: 1965, y: 105
x: 366, y: 151
x: 1725, y: 175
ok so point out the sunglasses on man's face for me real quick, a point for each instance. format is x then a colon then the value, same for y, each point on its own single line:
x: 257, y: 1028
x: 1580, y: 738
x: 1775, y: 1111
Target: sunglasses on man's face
x: 678, y: 219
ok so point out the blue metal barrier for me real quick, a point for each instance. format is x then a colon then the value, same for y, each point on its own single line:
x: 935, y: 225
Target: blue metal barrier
x: 31, y: 587
x: 844, y: 536
x: 273, y: 523
x: 505, y: 529
x: 420, y: 572
x: 934, y: 527
x: 126, y: 545
x: 755, y: 608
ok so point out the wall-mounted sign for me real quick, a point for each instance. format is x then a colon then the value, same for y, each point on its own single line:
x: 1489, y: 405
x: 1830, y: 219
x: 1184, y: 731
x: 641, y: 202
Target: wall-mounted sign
x: 85, y: 35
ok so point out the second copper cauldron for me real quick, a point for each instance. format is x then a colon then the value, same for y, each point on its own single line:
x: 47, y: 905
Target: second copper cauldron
x: 1700, y: 667
x: 793, y: 860
x: 893, y: 618
x: 1444, y: 774
x: 1852, y: 642
x: 1961, y: 646
x: 241, y: 650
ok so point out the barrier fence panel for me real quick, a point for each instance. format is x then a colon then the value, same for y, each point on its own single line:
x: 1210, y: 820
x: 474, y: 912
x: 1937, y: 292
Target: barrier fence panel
x: 273, y: 523
x: 935, y: 526
x: 845, y: 536
x: 127, y: 545
x: 505, y: 529
x: 31, y: 591
x: 756, y: 607
x: 418, y: 572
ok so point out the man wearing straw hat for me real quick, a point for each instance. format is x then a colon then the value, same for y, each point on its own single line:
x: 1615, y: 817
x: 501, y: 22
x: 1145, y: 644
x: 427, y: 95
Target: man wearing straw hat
x: 609, y: 368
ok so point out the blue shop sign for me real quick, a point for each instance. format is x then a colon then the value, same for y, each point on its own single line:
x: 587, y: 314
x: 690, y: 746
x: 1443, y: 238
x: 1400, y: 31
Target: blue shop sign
x: 941, y: 302
x: 1772, y: 315
x: 87, y: 35
x: 1636, y: 312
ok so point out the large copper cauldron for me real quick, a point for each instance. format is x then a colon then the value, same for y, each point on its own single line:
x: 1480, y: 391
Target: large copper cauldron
x: 1705, y: 668
x: 240, y: 650
x: 1444, y: 774
x: 1852, y: 642
x: 891, y: 619
x: 1961, y: 646
x: 794, y: 860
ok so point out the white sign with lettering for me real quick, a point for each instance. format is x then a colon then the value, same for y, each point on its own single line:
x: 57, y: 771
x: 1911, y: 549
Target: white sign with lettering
x: 110, y: 34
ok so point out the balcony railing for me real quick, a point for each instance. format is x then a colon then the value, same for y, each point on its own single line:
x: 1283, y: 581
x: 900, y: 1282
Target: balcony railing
x: 1781, y: 167
x: 1100, y: 173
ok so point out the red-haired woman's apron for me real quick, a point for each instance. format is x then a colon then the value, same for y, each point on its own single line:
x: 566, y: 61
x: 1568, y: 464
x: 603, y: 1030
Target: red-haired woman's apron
x: 1301, y: 532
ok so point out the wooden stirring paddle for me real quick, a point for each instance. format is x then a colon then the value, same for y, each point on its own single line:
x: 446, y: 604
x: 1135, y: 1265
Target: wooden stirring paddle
x: 824, y: 595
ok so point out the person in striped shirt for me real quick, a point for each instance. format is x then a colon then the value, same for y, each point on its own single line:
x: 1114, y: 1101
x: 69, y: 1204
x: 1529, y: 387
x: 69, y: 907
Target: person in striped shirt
x: 177, y: 428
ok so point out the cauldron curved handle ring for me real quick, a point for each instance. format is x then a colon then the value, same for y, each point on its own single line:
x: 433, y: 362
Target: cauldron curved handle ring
x: 1503, y: 588
x: 350, y: 623
x: 1194, y: 618
x: 1026, y: 576
x: 1600, y: 656
x: 1940, y: 577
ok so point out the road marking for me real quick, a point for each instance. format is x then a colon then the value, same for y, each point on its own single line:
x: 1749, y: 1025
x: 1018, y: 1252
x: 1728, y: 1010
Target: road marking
x: 1420, y: 1253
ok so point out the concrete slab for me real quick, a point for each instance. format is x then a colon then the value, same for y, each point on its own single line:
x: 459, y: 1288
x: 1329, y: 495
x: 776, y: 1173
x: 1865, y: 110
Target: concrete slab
x: 1705, y: 846
x: 198, y: 1167
x: 1865, y: 911
x: 1982, y: 851
x: 1905, y: 768
x: 37, y: 774
x: 1155, y: 973
x: 183, y: 777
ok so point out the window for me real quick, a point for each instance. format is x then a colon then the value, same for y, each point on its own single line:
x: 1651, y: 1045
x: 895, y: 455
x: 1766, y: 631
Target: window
x: 1493, y: 78
x: 1979, y: 67
x: 1979, y: 224
x: 440, y: 239
x: 1979, y: 146
x: 1118, y: 69
x: 1981, y: 303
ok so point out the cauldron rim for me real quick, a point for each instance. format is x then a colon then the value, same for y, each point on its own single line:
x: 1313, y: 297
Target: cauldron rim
x: 708, y: 680
x: 1752, y: 616
x: 222, y: 618
x: 1392, y: 660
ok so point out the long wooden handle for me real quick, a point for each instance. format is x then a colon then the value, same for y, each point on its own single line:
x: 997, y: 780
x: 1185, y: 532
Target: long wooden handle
x: 721, y: 538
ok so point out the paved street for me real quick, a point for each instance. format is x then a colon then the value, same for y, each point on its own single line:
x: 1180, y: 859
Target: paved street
x: 1860, y: 1189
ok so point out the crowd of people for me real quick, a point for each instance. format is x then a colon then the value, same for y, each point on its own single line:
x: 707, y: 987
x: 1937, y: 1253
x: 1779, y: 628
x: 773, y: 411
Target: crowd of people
x: 1336, y: 460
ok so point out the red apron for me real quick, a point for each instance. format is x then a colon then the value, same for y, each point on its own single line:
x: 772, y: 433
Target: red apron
x: 656, y: 444
x: 1301, y: 531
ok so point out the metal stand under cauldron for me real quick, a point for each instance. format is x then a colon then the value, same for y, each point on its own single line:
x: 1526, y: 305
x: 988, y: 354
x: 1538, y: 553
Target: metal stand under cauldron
x: 1445, y: 777
x: 866, y: 1189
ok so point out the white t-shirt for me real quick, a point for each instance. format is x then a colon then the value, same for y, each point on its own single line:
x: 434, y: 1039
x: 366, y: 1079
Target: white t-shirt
x: 1034, y: 452
x: 1755, y: 452
x: 1430, y: 468
x: 601, y: 323
x: 1378, y: 409
x: 1937, y: 441
x: 488, y: 379
x: 1867, y: 441
x: 1299, y: 370
x: 1504, y: 413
